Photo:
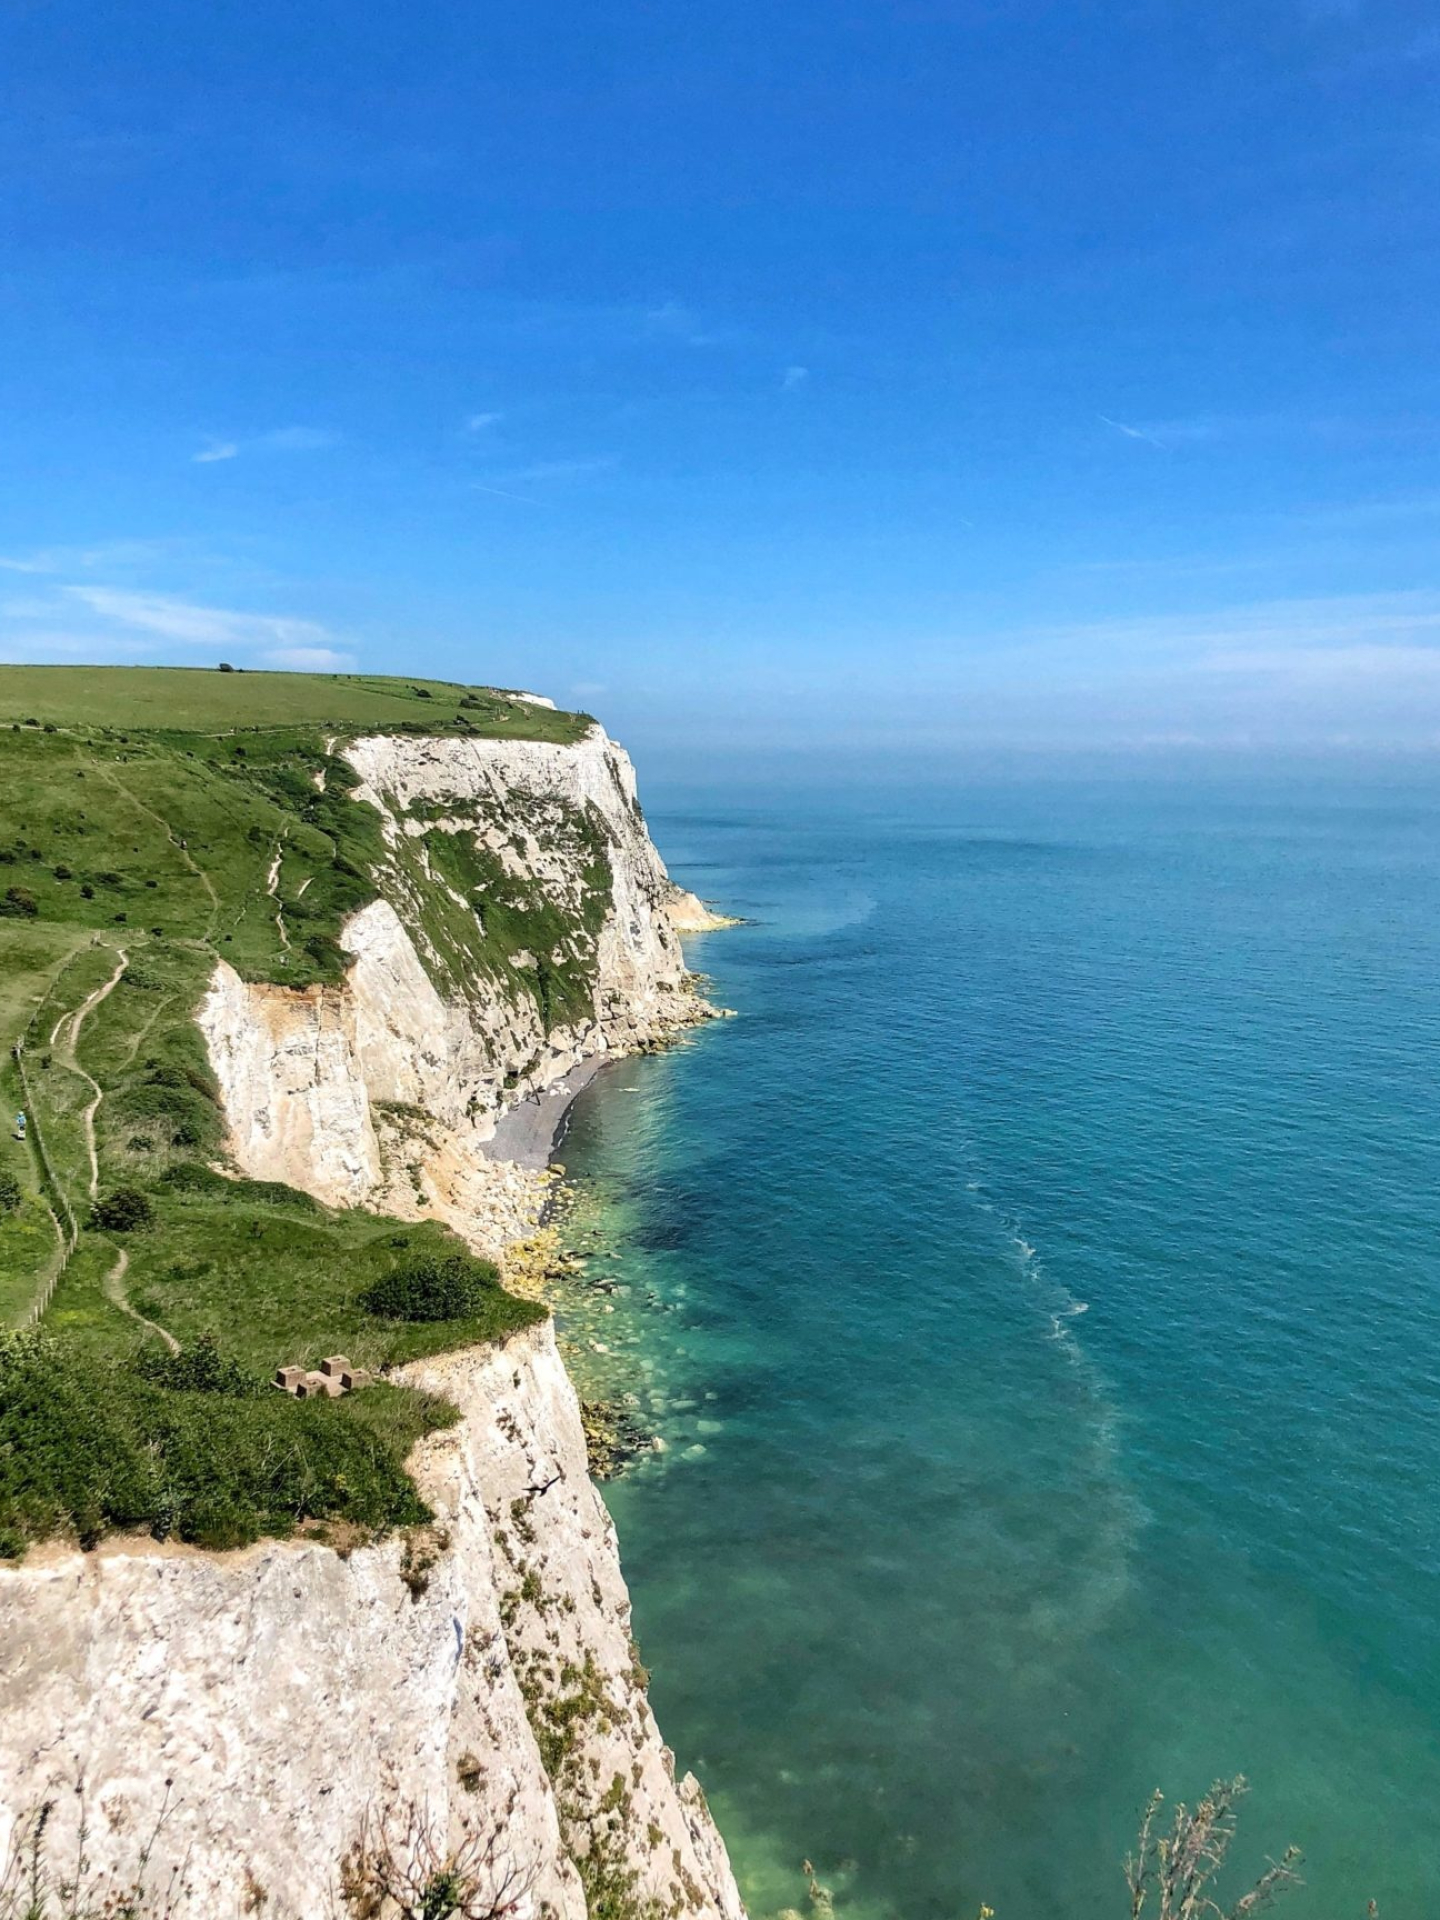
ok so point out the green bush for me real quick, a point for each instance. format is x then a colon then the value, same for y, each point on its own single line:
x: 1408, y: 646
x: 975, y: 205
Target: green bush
x: 88, y: 1448
x: 189, y: 1176
x: 192, y: 1176
x: 123, y: 1210
x: 18, y: 904
x: 435, y: 1287
x: 10, y: 1195
x: 198, y: 1368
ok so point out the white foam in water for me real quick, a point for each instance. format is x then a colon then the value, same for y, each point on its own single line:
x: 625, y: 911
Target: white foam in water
x: 1108, y: 1574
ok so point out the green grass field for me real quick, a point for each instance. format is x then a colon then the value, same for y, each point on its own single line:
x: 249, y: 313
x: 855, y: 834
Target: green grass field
x: 200, y: 700
x: 150, y: 821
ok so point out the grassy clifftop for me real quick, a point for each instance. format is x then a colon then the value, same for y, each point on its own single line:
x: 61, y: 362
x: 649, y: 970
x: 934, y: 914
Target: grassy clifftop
x: 152, y: 820
x: 201, y: 700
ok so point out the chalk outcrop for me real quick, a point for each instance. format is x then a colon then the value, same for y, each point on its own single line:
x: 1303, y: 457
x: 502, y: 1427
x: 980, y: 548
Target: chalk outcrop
x: 688, y: 913
x: 270, y: 1715
x: 385, y: 1091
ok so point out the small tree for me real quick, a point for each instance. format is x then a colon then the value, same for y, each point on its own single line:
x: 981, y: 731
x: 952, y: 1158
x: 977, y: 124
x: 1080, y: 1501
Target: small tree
x: 124, y: 1210
x: 198, y: 1368
x: 1171, y: 1874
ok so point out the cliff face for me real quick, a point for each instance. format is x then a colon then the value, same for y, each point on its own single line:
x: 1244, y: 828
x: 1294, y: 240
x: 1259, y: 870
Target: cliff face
x: 275, y: 1710
x: 281, y: 1718
x: 461, y: 999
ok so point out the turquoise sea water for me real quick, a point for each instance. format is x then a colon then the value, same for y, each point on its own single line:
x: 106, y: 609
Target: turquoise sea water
x: 1038, y: 1292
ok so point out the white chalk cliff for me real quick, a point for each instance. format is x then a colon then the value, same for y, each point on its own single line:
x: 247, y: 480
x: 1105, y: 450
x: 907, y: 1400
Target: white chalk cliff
x: 384, y: 1092
x: 271, y: 1724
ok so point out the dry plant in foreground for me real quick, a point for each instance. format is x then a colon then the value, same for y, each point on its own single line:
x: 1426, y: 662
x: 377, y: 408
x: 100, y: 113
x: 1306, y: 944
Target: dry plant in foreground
x: 409, y: 1874
x: 33, y: 1888
x: 1170, y: 1874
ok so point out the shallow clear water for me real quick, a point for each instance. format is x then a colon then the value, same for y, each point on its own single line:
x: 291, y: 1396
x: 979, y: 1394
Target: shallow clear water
x: 1038, y: 1291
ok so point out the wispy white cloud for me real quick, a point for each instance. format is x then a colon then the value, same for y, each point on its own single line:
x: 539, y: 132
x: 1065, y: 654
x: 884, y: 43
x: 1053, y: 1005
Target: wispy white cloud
x: 1132, y: 433
x: 277, y: 440
x: 482, y: 422
x: 60, y: 643
x: 1196, y: 431
x: 105, y: 553
x: 1363, y: 669
x: 673, y: 320
x: 195, y: 625
x: 308, y: 659
x: 1369, y: 513
x: 503, y: 493
x: 794, y: 377
x: 112, y: 619
x: 1367, y: 666
x: 1274, y: 628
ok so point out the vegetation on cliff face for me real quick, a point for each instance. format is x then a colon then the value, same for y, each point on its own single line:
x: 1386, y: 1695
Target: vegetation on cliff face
x: 155, y: 820
x: 402, y: 1867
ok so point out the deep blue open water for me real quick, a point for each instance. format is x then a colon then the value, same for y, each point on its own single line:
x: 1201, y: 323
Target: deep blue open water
x: 1037, y: 1289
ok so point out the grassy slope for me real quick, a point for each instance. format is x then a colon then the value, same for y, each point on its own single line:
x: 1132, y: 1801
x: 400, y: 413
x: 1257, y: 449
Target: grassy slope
x: 143, y: 817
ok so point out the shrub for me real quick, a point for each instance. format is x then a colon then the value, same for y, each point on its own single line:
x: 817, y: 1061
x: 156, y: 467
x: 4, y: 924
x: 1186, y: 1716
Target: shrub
x: 19, y: 904
x: 225, y: 667
x: 191, y: 1177
x: 435, y: 1287
x: 198, y: 1368
x: 325, y: 948
x: 176, y: 1110
x: 123, y: 1210
x: 9, y: 1193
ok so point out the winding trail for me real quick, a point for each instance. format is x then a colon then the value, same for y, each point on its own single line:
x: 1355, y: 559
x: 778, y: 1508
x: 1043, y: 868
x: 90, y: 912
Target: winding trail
x: 65, y: 1037
x: 272, y: 887
x: 116, y: 1294
x: 66, y: 1034
x: 108, y: 773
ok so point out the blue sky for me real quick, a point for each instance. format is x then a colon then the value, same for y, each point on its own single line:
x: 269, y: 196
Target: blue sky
x: 952, y: 372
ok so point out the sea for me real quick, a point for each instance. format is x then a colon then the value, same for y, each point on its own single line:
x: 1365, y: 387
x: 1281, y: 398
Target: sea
x: 1035, y: 1290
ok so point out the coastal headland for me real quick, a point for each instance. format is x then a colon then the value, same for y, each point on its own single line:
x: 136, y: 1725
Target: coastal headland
x: 301, y: 975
